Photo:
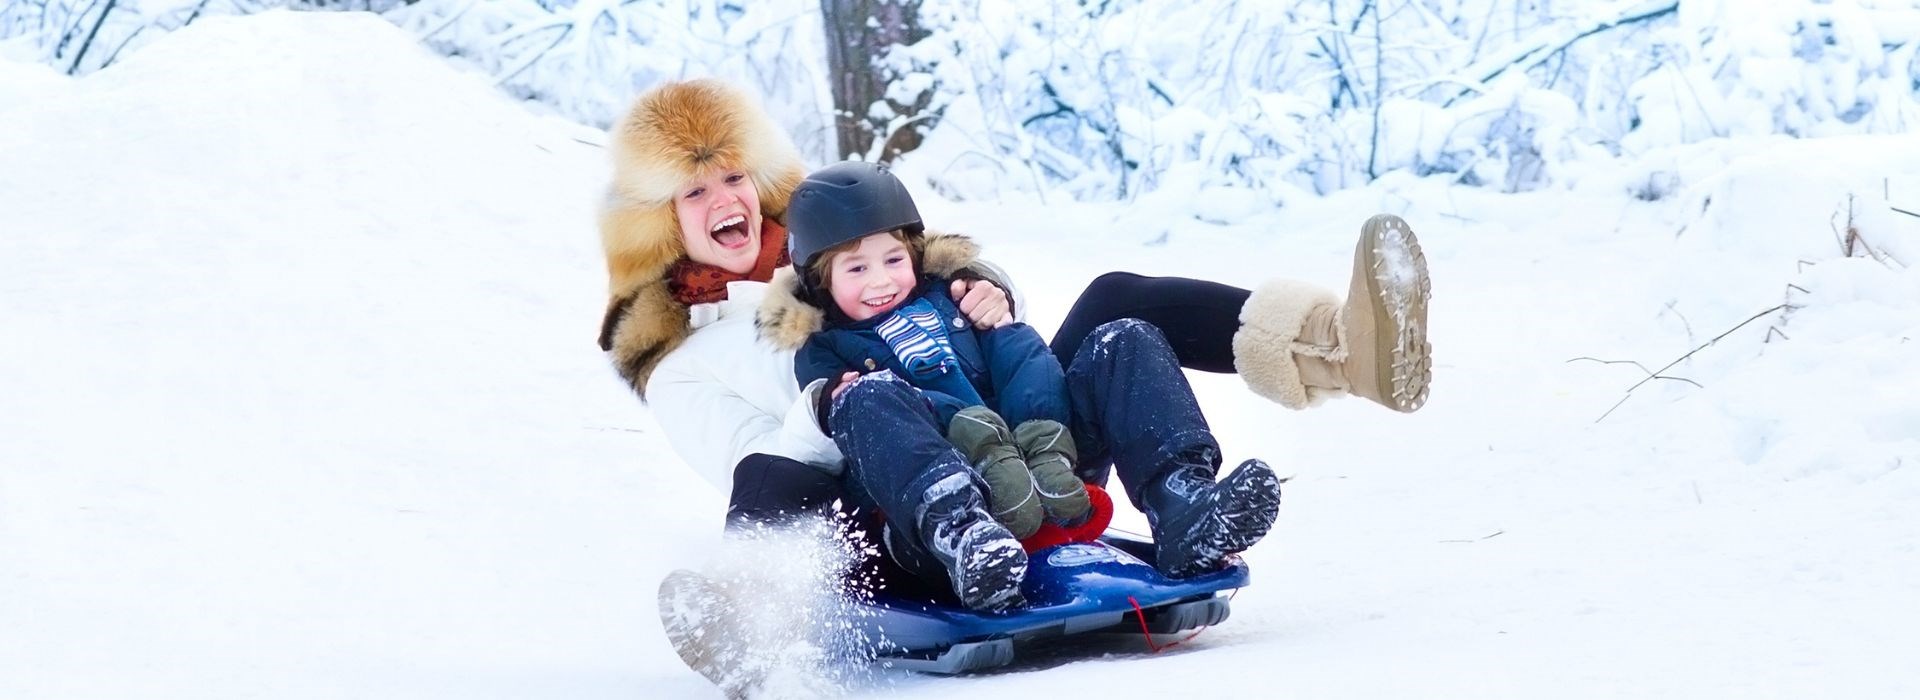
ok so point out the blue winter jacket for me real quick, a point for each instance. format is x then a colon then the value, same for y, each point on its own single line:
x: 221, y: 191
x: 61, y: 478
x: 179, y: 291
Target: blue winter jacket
x: 1007, y: 369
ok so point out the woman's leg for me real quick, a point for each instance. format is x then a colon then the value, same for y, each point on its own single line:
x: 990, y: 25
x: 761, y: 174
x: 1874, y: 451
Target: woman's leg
x: 1292, y: 342
x: 1135, y: 412
x: 899, y: 460
x: 770, y: 490
x: 1197, y: 317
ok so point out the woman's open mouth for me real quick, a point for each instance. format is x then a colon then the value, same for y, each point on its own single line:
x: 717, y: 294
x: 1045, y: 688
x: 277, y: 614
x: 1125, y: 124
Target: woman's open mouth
x: 731, y: 232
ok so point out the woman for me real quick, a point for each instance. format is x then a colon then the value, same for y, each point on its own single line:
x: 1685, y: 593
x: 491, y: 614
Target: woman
x: 692, y: 232
x: 691, y: 229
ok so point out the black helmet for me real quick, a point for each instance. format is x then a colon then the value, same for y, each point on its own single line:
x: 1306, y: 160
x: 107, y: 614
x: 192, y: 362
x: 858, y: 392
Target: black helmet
x: 844, y: 202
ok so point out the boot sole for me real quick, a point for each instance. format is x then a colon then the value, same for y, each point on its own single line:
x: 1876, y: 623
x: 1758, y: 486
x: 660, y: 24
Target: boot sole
x: 694, y: 612
x: 1233, y: 526
x: 990, y: 569
x: 1399, y: 289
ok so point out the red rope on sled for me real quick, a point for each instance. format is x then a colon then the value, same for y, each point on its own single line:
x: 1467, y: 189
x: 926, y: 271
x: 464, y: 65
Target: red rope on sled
x: 1141, y: 615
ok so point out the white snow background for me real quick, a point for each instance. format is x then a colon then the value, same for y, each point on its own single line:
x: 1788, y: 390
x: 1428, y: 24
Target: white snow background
x: 299, y: 399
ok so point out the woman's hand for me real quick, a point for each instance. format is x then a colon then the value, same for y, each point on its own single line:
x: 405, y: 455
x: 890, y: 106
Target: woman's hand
x: 982, y: 302
x: 823, y: 400
x: 840, y: 387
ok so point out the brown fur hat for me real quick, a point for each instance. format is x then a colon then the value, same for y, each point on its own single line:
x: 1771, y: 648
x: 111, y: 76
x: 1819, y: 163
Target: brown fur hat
x: 673, y: 134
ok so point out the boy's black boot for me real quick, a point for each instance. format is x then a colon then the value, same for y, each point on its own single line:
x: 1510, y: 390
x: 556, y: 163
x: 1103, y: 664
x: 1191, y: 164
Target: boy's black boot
x: 1197, y: 522
x: 983, y: 560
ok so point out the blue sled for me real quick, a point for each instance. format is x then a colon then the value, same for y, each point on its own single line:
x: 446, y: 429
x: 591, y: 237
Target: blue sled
x: 1071, y: 589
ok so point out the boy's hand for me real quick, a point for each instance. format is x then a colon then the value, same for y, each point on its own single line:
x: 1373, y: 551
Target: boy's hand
x: 982, y: 302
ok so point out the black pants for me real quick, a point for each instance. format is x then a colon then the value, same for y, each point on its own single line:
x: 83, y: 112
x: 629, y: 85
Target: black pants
x: 1198, y: 317
x: 769, y: 490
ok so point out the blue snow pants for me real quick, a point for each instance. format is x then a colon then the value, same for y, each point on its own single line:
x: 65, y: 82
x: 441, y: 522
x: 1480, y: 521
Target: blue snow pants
x: 1134, y: 415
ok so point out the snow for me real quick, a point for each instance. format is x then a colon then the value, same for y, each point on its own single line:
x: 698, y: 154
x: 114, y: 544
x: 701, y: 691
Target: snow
x: 301, y: 400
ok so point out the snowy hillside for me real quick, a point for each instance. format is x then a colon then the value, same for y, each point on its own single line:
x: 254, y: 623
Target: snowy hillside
x: 299, y: 399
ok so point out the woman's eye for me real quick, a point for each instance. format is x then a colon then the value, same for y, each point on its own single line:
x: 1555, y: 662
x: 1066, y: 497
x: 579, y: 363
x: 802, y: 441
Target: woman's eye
x: 735, y: 178
x: 696, y: 192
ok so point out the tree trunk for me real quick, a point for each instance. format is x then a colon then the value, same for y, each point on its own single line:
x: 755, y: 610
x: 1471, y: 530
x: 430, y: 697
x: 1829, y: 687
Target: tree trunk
x: 859, y: 33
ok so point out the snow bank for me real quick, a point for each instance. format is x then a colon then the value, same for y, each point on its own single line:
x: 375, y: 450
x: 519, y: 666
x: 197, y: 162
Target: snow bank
x: 302, y: 398
x: 22, y: 83
x: 1810, y: 229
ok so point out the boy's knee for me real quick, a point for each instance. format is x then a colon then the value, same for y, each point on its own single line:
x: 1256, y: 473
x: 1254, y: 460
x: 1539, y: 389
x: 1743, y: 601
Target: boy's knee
x: 1127, y: 333
x: 870, y: 388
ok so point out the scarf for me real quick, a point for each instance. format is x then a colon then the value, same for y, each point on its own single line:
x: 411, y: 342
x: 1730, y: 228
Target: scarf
x: 699, y: 283
x: 919, y: 339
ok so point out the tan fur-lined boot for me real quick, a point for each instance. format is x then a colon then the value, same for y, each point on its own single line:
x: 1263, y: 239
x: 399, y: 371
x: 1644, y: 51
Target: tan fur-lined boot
x: 1299, y: 344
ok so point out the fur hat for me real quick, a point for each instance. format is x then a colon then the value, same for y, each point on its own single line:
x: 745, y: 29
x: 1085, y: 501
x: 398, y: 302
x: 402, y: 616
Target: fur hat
x: 674, y: 134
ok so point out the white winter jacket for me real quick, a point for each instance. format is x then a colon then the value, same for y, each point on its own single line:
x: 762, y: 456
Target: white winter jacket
x: 725, y: 393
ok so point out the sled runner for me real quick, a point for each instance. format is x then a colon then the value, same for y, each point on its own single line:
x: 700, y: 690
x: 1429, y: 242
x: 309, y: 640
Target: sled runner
x: 1105, y: 586
x: 1074, y: 589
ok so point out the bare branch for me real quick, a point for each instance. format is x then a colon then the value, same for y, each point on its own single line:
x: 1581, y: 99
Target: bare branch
x: 82, y: 53
x: 1616, y: 405
x: 1635, y: 363
x: 1661, y: 373
x: 1496, y: 533
x: 1706, y: 345
x: 1528, y: 55
x: 1643, y: 368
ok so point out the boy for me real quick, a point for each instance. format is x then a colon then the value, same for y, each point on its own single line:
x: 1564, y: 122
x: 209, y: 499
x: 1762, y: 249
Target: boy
x: 999, y: 392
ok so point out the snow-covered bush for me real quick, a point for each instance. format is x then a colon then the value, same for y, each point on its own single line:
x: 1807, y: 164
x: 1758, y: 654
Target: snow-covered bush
x: 588, y: 58
x: 1795, y: 68
x: 1104, y: 98
x: 1110, y: 98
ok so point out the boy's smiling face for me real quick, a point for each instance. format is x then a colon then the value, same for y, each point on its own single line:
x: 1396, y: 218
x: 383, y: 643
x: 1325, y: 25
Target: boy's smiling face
x: 873, y: 278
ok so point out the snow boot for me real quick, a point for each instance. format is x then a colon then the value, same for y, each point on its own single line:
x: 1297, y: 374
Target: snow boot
x: 1051, y: 454
x: 984, y: 561
x: 705, y: 629
x: 1197, y: 522
x: 983, y: 437
x: 1299, y: 345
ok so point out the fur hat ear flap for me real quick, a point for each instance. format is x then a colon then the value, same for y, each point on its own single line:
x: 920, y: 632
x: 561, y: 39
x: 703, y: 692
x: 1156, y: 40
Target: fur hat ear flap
x: 641, y: 242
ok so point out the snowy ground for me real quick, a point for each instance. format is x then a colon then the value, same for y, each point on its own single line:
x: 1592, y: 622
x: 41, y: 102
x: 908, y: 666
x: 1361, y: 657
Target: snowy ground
x: 301, y: 400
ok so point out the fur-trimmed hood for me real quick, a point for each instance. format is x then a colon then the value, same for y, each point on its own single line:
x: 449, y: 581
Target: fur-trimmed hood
x: 672, y: 135
x: 786, y: 318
